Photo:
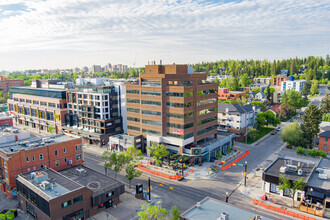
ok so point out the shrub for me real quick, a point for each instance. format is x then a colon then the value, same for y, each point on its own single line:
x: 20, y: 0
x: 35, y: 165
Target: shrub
x: 289, y: 146
x: 322, y: 153
x: 300, y: 151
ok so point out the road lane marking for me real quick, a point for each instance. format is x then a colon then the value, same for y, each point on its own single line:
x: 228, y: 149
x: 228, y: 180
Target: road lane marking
x: 161, y: 184
x: 93, y: 159
x: 171, y: 187
x: 155, y: 196
x: 251, y: 196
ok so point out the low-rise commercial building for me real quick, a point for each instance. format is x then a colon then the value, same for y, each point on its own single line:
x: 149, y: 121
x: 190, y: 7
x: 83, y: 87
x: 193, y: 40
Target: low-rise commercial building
x: 213, y: 209
x: 224, y: 94
x: 5, y: 83
x: 75, y: 193
x: 6, y: 119
x: 58, y: 152
x: 41, y: 107
x: 94, y: 110
x: 266, y: 81
x: 237, y: 118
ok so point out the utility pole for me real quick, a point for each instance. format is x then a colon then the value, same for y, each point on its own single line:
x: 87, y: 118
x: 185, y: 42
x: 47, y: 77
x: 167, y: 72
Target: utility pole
x: 245, y: 167
x: 149, y: 188
x: 182, y: 164
x: 227, y: 196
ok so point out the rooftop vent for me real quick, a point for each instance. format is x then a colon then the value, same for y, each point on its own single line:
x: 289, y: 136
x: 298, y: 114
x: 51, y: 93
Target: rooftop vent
x: 45, y: 185
x: 283, y: 169
x: 198, y: 205
x: 300, y: 172
x: 80, y: 171
x: 224, y: 216
x: 292, y: 167
x: 39, y: 177
x: 323, y: 176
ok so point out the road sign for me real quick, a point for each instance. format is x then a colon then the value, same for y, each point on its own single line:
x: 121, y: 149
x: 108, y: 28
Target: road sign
x: 239, y: 164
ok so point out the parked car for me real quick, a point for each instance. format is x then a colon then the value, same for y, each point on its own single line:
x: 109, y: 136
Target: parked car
x: 278, y: 128
x: 223, y: 129
x: 274, y: 132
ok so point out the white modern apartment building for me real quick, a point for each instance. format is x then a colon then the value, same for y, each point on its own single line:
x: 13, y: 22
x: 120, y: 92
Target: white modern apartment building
x: 237, y: 118
x: 266, y: 81
x: 296, y: 85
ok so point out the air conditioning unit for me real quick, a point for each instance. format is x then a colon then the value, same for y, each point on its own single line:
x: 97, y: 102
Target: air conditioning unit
x: 224, y: 216
x: 70, y: 162
x: 283, y: 169
x: 300, y: 172
x: 323, y: 176
x: 44, y: 185
x: 292, y: 167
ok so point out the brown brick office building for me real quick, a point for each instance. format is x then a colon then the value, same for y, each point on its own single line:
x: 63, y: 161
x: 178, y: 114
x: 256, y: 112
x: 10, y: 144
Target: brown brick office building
x: 58, y: 152
x: 172, y: 105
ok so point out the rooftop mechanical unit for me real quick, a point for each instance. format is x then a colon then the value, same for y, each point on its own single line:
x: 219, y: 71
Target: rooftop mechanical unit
x: 283, y: 169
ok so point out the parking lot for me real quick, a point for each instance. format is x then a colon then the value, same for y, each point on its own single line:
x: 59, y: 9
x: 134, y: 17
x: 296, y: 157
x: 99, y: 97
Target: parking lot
x: 7, y: 203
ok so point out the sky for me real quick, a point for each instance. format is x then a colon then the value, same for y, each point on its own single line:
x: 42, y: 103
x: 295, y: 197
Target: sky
x: 49, y: 34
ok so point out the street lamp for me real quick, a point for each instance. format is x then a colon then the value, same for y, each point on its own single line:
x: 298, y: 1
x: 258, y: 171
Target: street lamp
x: 227, y: 196
x: 245, y: 166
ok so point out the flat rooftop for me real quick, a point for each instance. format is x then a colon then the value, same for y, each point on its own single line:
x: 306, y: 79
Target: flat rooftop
x: 5, y: 116
x: 9, y: 130
x: 315, y: 181
x: 35, y: 142
x: 93, y: 180
x: 48, y: 183
x: 211, y: 209
x: 34, y: 88
x: 307, y: 165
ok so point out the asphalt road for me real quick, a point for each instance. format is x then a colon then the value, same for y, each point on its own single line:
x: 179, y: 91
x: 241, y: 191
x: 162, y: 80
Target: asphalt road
x: 187, y: 193
x: 322, y: 90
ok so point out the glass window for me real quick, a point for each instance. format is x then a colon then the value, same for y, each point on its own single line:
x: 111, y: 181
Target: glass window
x: 78, y: 157
x: 326, y: 139
x: 56, y: 152
x: 207, y: 130
x: 133, y: 110
x: 207, y: 101
x: 206, y: 111
x: 33, y: 158
x: 57, y: 163
x: 78, y: 147
x: 171, y: 125
x: 180, y: 105
x: 28, y: 101
x: 133, y: 119
x: 146, y: 112
x: 152, y: 93
x: 133, y: 128
x: 206, y: 120
x: 133, y: 91
x: 181, y: 136
x: 50, y: 116
x: 151, y: 103
x: 27, y: 159
x: 77, y: 199
x: 66, y: 204
x: 136, y: 101
x: 43, y: 103
x: 155, y: 123
x: 53, y: 105
x: 151, y: 83
x: 41, y: 156
x: 64, y: 150
x: 150, y: 131
x: 173, y: 115
x: 325, y: 147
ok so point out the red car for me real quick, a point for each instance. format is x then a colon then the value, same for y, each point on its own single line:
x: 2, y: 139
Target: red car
x: 274, y: 132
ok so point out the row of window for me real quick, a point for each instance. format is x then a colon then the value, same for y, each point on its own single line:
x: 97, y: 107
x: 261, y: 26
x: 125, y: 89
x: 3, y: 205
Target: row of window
x: 150, y: 131
x: 130, y: 91
x: 41, y: 156
x: 152, y: 93
x: 151, y: 83
x: 171, y: 125
x: 133, y: 128
x: 179, y: 94
x: 181, y: 136
x: 134, y: 110
x: 35, y: 102
x: 133, y: 119
x: 206, y: 120
x: 151, y: 103
x: 155, y: 123
x: 207, y: 130
x: 206, y: 111
x: 207, y: 101
x: 180, y: 105
x: 205, y: 92
x: 136, y: 101
x: 146, y: 112
x: 173, y: 115
x: 75, y: 200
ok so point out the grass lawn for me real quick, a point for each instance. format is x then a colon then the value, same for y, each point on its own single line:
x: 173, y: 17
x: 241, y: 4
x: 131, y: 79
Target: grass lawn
x: 263, y: 132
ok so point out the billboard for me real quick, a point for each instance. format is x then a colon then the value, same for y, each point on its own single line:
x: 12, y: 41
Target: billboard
x: 177, y: 131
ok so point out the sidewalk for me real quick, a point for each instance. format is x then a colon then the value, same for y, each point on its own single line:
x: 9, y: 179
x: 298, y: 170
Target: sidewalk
x: 254, y: 191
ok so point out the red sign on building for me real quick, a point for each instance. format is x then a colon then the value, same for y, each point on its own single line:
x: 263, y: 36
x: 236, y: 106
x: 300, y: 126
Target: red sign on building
x: 177, y: 131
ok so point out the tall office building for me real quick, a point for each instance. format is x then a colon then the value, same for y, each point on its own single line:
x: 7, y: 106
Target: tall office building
x: 94, y: 110
x: 172, y: 105
x: 96, y: 69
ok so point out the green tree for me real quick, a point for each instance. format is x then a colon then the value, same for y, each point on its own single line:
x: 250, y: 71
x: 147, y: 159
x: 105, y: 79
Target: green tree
x: 314, y: 88
x: 291, y: 187
x: 258, y: 103
x: 256, y: 89
x: 326, y: 117
x: 158, y: 152
x: 132, y: 172
x: 114, y: 161
x: 253, y: 133
x: 295, y: 100
x: 174, y: 213
x: 260, y: 121
x: 271, y: 118
x: 311, y: 123
x: 325, y: 104
x: 292, y: 134
x: 219, y: 155
x: 133, y: 154
x: 149, y: 212
x: 244, y: 80
x: 306, y: 89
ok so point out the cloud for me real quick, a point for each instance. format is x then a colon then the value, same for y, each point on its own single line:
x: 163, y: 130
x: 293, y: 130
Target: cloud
x: 187, y: 30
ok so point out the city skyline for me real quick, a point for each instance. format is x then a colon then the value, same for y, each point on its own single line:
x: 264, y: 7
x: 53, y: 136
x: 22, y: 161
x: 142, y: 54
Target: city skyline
x: 62, y: 34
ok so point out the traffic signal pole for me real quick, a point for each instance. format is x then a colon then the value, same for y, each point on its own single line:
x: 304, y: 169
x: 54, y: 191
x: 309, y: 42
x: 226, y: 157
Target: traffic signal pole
x: 149, y: 190
x: 245, y: 166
